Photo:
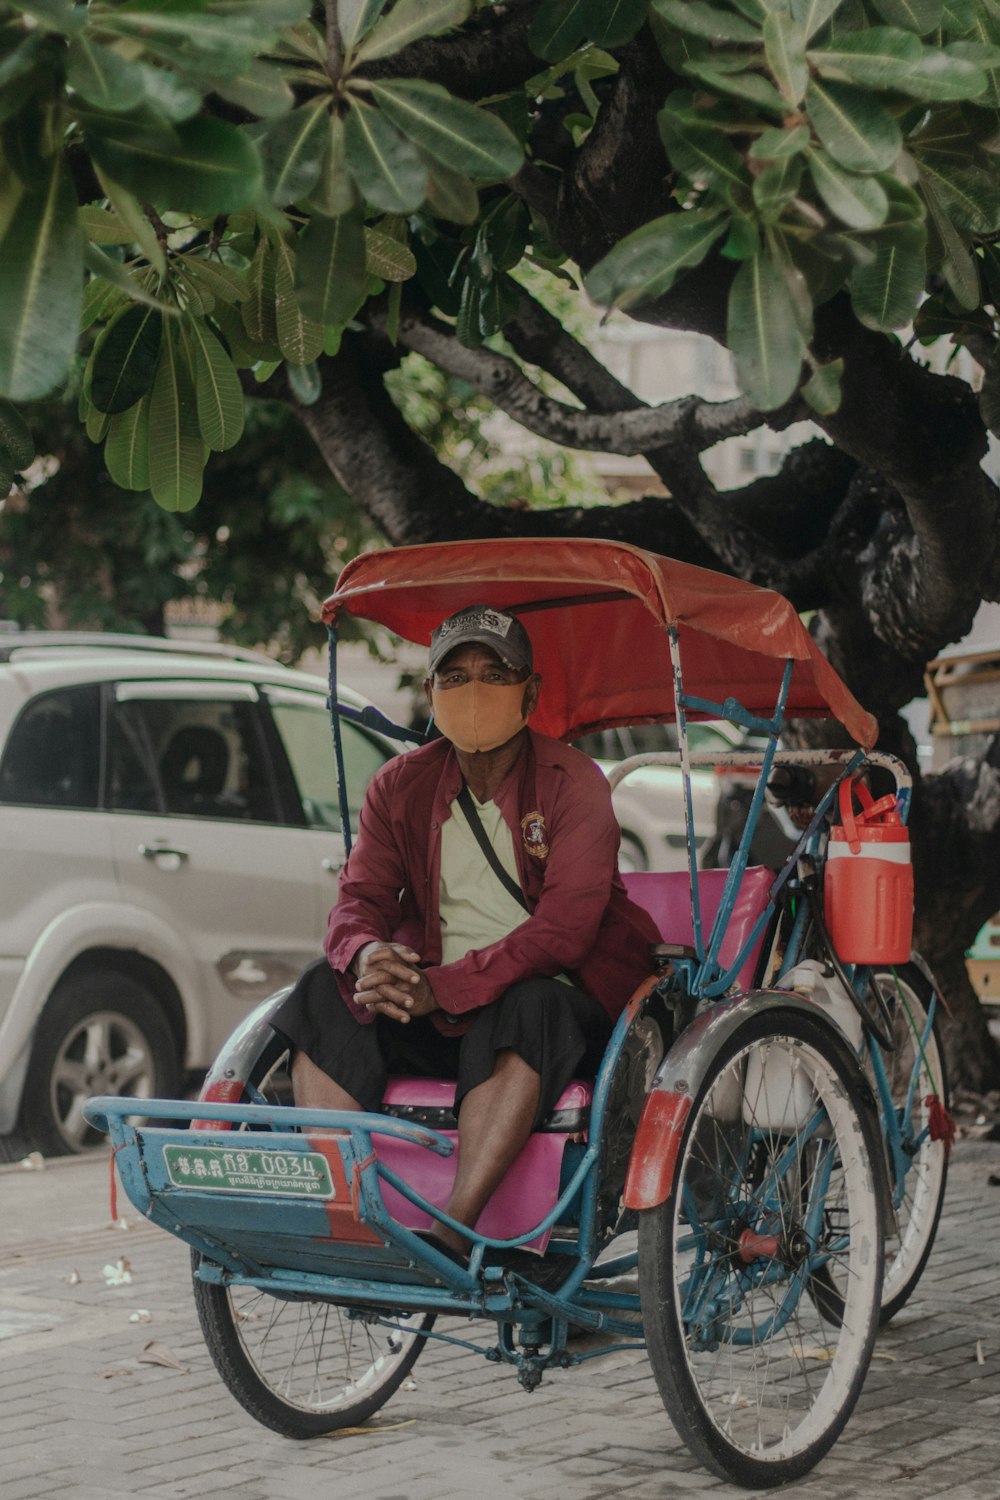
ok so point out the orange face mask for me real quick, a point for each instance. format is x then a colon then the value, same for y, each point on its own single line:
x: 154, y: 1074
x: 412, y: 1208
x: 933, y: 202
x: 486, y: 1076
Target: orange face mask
x: 479, y: 715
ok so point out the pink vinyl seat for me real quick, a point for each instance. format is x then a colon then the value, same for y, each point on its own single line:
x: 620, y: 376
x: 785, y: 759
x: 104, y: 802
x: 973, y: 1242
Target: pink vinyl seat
x: 531, y: 1187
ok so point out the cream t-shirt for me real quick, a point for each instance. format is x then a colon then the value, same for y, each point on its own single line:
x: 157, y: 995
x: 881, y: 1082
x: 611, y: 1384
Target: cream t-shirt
x: 475, y: 909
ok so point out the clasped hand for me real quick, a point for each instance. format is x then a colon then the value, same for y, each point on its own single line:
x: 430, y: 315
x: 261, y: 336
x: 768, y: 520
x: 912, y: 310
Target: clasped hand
x: 390, y: 984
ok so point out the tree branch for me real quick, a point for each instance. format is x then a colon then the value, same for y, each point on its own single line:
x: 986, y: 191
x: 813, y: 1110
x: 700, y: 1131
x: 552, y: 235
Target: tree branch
x: 696, y: 423
x: 489, y: 55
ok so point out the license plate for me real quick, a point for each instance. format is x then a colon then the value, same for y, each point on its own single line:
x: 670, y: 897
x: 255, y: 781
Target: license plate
x: 222, y: 1169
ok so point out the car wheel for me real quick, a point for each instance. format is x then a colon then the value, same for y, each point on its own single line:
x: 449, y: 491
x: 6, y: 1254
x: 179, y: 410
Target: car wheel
x: 631, y: 855
x: 100, y: 1033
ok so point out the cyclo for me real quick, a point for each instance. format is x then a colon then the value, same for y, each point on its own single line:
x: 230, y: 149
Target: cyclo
x: 766, y: 1111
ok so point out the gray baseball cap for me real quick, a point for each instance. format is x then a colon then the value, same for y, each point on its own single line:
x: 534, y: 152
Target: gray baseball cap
x: 482, y: 625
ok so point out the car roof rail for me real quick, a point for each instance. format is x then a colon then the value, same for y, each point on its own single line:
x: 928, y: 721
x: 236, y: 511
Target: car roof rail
x: 31, y: 641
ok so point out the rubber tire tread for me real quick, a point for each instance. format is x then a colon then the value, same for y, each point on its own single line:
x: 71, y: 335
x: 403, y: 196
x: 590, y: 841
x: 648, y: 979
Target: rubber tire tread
x: 914, y: 977
x: 664, y: 1335
x: 71, y: 1000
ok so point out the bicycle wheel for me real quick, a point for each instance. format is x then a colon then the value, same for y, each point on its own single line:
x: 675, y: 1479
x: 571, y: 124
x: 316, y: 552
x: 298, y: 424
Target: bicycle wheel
x: 304, y: 1367
x: 914, y: 1073
x: 301, y: 1366
x: 774, y: 1180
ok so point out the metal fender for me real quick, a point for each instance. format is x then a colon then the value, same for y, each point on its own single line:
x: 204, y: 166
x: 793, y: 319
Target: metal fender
x: 239, y: 1054
x: 682, y: 1074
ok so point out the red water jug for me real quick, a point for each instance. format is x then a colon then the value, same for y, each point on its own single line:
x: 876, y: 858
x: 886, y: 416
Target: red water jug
x: 868, y: 886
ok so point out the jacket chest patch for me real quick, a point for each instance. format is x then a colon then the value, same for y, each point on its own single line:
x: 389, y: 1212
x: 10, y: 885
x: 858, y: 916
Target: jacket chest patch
x: 534, y: 835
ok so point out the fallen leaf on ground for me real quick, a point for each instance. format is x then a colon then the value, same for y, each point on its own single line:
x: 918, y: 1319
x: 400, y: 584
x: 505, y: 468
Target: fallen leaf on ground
x: 980, y: 1356
x: 120, y: 1274
x: 142, y: 1315
x: 113, y: 1374
x: 74, y: 1278
x: 33, y: 1162
x: 372, y: 1431
x: 156, y: 1353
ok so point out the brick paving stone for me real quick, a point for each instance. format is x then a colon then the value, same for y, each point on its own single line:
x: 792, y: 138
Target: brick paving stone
x: 926, y: 1426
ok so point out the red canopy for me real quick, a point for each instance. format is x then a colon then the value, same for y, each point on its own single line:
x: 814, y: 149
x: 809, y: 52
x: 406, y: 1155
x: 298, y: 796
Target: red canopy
x: 596, y: 612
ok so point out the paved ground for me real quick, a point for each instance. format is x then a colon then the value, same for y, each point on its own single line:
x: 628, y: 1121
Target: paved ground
x: 83, y: 1417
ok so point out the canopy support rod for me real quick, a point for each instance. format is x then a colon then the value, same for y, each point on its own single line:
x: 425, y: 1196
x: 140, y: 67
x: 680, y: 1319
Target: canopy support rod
x: 685, y: 753
x: 338, y: 744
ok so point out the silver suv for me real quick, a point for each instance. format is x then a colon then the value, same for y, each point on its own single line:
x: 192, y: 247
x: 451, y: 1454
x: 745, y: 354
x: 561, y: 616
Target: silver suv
x: 169, y: 846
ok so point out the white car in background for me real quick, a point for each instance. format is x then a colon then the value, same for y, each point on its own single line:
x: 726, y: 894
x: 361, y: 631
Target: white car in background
x: 171, y: 841
x: 649, y: 802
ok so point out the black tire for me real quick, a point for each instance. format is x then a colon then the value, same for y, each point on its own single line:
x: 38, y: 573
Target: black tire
x: 263, y: 1346
x: 632, y: 857
x: 100, y: 1033
x: 301, y: 1367
x: 920, y: 1197
x: 776, y: 1167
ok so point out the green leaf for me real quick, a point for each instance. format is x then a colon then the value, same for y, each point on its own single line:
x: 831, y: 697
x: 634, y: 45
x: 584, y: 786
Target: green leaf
x: 357, y: 17
x: 300, y: 339
x: 126, y: 359
x: 205, y: 166
x: 776, y: 186
x: 612, y: 23
x: 859, y: 202
x: 408, y: 21
x: 306, y: 383
x: 989, y: 399
x: 703, y: 153
x: 331, y: 275
x: 557, y: 27
x: 387, y: 258
x: 218, y: 393
x: 102, y: 77
x: 699, y: 19
x: 920, y: 16
x: 173, y: 96
x: 887, y: 293
x: 223, y: 283
x: 763, y: 333
x: 387, y: 168
x: 968, y: 195
x: 459, y: 135
x: 958, y: 16
x: 785, y: 50
x: 334, y: 193
x: 41, y: 288
x: 936, y: 319
x: 15, y: 436
x: 645, y: 264
x: 132, y: 285
x: 451, y: 195
x: 130, y: 214
x: 857, y: 131
x: 291, y: 152
x: 103, y: 227
x: 261, y: 90
x: 176, y: 450
x: 958, y: 266
x: 257, y: 309
x: 876, y: 58
x: 813, y: 15
x: 126, y: 451
x: 746, y: 85
x: 777, y: 142
x: 822, y: 389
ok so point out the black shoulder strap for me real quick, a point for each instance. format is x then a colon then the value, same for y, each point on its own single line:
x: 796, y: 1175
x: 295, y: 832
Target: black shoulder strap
x: 467, y: 805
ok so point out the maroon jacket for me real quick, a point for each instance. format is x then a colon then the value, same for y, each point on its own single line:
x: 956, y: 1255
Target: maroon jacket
x: 558, y: 806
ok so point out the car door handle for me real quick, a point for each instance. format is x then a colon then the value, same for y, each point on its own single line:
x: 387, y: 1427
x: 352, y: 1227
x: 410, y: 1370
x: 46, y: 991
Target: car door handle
x: 172, y: 857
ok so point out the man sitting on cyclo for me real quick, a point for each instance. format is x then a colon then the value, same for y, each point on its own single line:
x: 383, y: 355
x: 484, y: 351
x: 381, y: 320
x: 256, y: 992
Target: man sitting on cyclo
x: 482, y: 931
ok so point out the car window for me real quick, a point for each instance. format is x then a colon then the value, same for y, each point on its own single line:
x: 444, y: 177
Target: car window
x: 52, y: 757
x: 305, y: 730
x: 189, y: 757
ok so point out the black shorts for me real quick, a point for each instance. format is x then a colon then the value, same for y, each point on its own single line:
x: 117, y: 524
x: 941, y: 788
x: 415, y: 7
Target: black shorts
x: 558, y: 1030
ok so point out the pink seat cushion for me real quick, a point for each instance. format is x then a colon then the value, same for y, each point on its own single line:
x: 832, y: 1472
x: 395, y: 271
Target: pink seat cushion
x: 527, y: 1193
x: 530, y: 1189
x: 666, y: 895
